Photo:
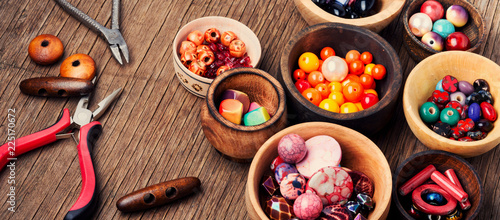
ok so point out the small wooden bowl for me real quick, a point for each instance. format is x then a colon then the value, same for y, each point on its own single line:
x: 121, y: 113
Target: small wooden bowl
x: 239, y: 142
x: 475, y: 29
x: 442, y: 161
x: 388, y: 10
x: 196, y: 84
x: 342, y: 38
x: 421, y: 83
x: 358, y: 153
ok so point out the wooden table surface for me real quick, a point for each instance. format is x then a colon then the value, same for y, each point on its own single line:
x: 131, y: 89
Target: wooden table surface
x: 152, y: 133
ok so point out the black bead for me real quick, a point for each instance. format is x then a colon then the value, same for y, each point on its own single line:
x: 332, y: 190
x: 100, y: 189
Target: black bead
x: 481, y: 84
x: 442, y: 129
x: 484, y: 125
x: 362, y: 7
x: 485, y: 96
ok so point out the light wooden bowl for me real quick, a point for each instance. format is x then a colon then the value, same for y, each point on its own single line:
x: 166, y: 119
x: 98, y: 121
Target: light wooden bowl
x: 421, y: 83
x: 358, y: 153
x: 343, y: 38
x: 475, y: 29
x: 443, y: 161
x: 239, y: 142
x: 388, y: 10
x: 196, y: 84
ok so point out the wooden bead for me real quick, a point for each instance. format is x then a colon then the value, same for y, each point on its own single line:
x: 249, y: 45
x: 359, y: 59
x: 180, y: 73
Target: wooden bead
x: 80, y: 66
x: 45, y: 49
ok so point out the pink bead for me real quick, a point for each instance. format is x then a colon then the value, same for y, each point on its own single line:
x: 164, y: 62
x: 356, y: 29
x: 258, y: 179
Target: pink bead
x: 292, y: 186
x: 416, y: 180
x: 434, y: 9
x: 420, y: 24
x: 332, y: 184
x: 307, y: 206
x: 292, y: 148
x: 322, y: 151
x: 334, y: 69
x: 253, y: 106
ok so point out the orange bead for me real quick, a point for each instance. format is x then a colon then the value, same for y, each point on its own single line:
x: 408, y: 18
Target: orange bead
x: 369, y: 68
x: 359, y: 106
x: 338, y: 97
x: 366, y: 57
x: 299, y: 74
x: 366, y: 81
x: 350, y: 78
x: 348, y: 107
x: 323, y: 90
x: 327, y: 52
x: 372, y: 91
x: 378, y: 72
x: 335, y: 87
x: 353, y: 91
x: 315, y: 77
x: 312, y: 95
x: 356, y: 67
x: 320, y: 65
x: 308, y: 62
x: 352, y: 56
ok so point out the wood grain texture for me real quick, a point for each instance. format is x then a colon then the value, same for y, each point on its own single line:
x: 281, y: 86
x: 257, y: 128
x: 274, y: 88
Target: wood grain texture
x: 152, y: 133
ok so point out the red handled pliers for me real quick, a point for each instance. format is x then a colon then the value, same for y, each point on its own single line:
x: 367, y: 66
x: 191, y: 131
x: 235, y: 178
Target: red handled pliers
x: 84, y: 120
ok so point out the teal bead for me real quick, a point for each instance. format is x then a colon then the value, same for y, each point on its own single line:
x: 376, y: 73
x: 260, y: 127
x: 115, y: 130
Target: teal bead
x: 439, y: 86
x: 443, y: 27
x: 429, y: 113
x: 450, y: 116
x: 256, y: 117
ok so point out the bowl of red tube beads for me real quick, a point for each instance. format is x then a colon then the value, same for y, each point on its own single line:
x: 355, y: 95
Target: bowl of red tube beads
x: 442, y: 25
x: 208, y: 46
x: 318, y: 170
x: 437, y: 185
x: 342, y: 74
x: 449, y: 103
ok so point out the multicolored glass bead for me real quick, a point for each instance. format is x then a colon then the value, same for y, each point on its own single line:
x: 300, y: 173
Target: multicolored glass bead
x: 270, y: 185
x: 292, y: 186
x: 365, y: 201
x: 283, y: 170
x: 335, y: 212
x: 278, y: 208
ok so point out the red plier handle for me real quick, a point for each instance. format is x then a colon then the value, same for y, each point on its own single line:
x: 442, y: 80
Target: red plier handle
x: 35, y: 140
x: 86, y: 202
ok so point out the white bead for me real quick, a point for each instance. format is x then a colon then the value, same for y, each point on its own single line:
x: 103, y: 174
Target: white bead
x: 420, y: 24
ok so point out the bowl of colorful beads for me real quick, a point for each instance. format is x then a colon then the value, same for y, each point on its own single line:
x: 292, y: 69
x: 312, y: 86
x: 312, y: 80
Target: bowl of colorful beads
x: 208, y: 46
x: 318, y: 169
x: 437, y: 185
x: 372, y: 14
x: 342, y: 74
x: 442, y: 25
x: 449, y: 103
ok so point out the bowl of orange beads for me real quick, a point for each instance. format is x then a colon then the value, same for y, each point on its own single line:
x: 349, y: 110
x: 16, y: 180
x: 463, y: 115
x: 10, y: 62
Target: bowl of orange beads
x: 342, y: 74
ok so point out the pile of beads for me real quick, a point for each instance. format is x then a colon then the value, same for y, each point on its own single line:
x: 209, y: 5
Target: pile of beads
x: 336, y: 84
x: 459, y: 110
x: 438, y: 198
x: 437, y: 32
x: 309, y: 182
x: 209, y: 54
x: 347, y: 8
x: 236, y: 107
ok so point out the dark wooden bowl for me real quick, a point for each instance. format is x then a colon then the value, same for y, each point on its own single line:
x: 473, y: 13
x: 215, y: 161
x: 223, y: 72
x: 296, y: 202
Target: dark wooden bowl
x: 442, y: 160
x: 342, y: 38
x: 474, y: 29
x: 239, y: 142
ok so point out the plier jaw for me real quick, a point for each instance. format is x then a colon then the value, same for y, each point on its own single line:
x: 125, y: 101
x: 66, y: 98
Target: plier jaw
x: 116, y: 44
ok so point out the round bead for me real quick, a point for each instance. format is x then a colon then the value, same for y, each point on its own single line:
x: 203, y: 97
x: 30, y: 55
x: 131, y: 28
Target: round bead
x: 465, y: 125
x: 456, y: 105
x: 332, y: 184
x: 363, y: 184
x: 292, y: 148
x: 459, y: 97
x: 283, y: 170
x: 450, y: 116
x: 450, y: 84
x: 322, y: 151
x: 292, y: 186
x: 465, y: 87
x: 277, y: 161
x: 429, y: 112
x: 484, y: 125
x: 485, y: 96
x: 457, y: 41
x: 481, y: 84
x: 80, y: 66
x: 434, y: 198
x: 433, y: 40
x: 473, y: 98
x: 308, y: 206
x: 334, y: 68
x: 476, y: 135
x: 442, y: 129
x: 420, y: 24
x: 488, y: 111
x: 457, y: 15
x: 45, y: 49
x: 443, y: 27
x: 432, y: 8
x: 474, y: 112
x: 439, y: 85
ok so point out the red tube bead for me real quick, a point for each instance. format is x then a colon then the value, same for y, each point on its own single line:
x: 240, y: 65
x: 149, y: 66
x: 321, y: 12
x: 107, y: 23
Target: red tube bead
x: 450, y: 173
x: 416, y: 180
x: 449, y: 187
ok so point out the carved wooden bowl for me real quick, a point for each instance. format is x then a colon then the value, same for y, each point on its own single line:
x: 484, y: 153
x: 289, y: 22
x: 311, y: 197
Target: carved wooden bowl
x: 358, y: 153
x: 343, y: 38
x: 443, y: 161
x: 387, y: 11
x: 421, y: 83
x: 239, y: 142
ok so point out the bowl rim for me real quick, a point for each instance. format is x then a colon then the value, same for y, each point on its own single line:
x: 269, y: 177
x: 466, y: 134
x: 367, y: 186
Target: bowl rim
x: 482, y: 28
x: 394, y: 87
x: 412, y: 113
x: 395, y: 7
x: 210, y: 99
x: 395, y: 194
x: 177, y: 61
x: 250, y: 189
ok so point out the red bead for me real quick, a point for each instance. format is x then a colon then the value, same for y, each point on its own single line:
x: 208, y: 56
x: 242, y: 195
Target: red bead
x: 368, y: 100
x: 457, y: 41
x: 450, y: 84
x: 427, y: 208
x: 302, y: 85
x: 277, y: 161
x: 449, y: 187
x: 465, y: 125
x: 441, y: 98
x: 488, y: 111
x: 416, y: 180
x: 456, y: 105
x: 450, y: 173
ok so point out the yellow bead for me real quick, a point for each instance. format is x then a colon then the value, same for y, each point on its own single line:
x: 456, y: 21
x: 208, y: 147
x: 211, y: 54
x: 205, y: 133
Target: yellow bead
x: 358, y: 104
x: 338, y: 97
x: 348, y: 107
x: 329, y: 105
x: 372, y: 91
x: 368, y: 68
x: 335, y: 87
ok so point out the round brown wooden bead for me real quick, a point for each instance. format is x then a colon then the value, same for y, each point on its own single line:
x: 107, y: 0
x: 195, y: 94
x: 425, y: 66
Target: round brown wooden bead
x: 45, y: 49
x: 80, y: 66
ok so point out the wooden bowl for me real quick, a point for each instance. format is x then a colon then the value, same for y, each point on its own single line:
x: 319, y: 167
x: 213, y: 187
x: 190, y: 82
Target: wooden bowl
x: 342, y: 38
x: 421, y: 83
x: 442, y: 161
x: 387, y: 10
x: 475, y: 29
x: 196, y: 84
x: 358, y: 153
x: 239, y: 142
